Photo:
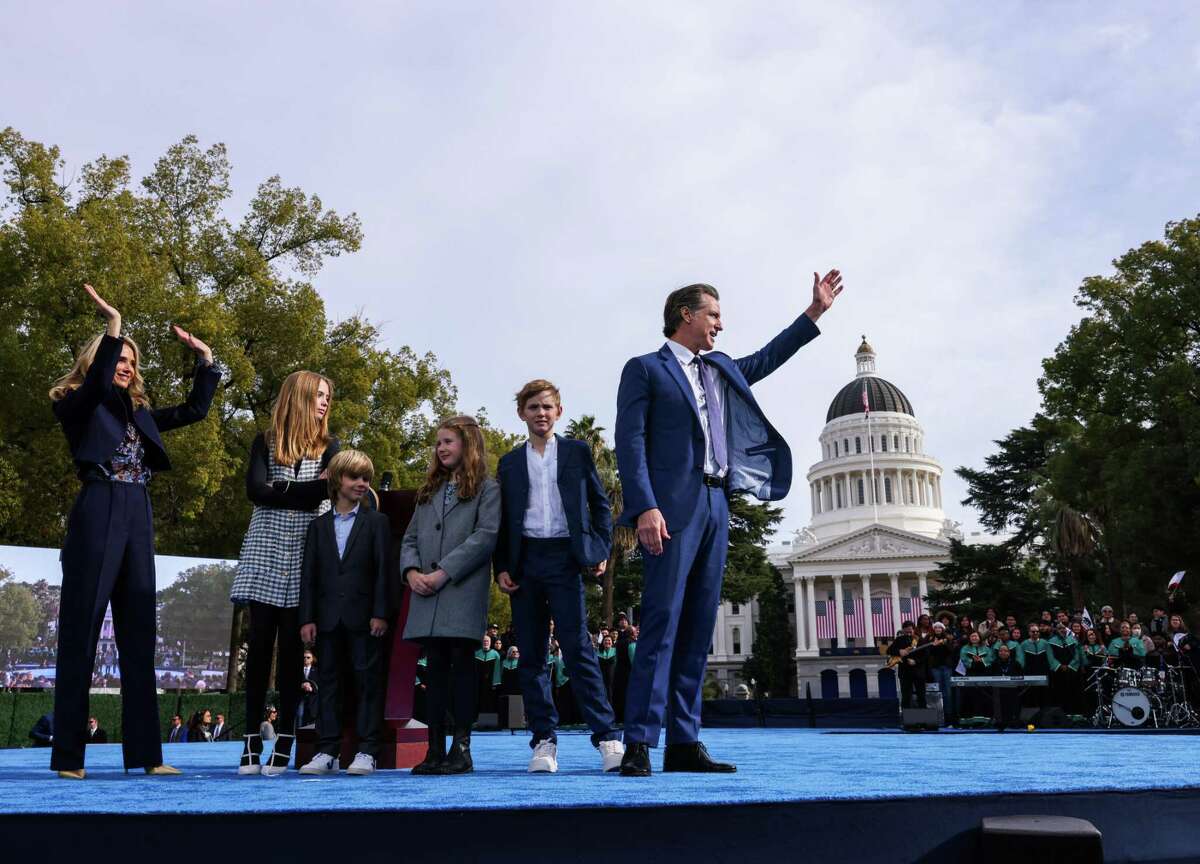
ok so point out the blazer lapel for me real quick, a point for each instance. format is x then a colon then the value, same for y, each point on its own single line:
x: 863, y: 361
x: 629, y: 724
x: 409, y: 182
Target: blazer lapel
x: 518, y: 473
x: 733, y: 376
x: 355, y: 530
x: 564, y: 461
x: 330, y: 534
x: 676, y: 372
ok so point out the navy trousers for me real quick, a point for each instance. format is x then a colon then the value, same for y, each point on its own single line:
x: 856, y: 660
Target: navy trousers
x: 552, y: 587
x: 343, y: 652
x: 679, y: 610
x: 108, y: 555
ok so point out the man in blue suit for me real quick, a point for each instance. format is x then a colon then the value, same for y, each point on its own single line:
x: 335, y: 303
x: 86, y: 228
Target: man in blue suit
x: 555, y: 524
x: 688, y: 433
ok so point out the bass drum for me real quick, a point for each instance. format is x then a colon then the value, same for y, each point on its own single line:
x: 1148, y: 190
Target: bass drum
x: 1130, y: 706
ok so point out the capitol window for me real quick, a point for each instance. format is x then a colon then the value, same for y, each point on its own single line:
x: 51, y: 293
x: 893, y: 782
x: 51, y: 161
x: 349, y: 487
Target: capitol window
x: 835, y: 450
x: 846, y: 446
x: 857, y: 444
x: 887, y: 490
x: 737, y: 640
x: 883, y: 443
x: 861, y: 488
x: 896, y: 443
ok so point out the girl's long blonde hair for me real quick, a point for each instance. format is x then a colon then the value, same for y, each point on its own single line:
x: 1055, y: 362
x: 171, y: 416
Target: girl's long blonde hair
x: 296, y: 433
x: 74, y: 379
x: 471, y: 471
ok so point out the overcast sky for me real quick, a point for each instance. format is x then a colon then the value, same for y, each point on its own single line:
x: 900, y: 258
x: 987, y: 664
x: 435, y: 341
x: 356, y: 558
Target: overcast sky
x: 533, y: 178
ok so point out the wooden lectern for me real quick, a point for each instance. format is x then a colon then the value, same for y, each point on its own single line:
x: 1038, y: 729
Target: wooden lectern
x: 404, y: 740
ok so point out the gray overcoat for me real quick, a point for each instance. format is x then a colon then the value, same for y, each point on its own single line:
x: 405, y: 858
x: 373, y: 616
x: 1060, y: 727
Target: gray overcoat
x: 458, y: 538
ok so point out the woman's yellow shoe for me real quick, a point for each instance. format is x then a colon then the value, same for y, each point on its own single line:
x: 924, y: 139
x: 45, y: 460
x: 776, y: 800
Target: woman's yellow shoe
x: 162, y: 770
x: 77, y: 774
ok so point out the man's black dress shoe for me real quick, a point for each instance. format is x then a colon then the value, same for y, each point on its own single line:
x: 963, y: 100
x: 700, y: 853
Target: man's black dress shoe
x: 693, y: 758
x: 636, y: 761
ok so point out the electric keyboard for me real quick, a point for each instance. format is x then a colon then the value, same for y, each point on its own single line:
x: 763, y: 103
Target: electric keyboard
x: 999, y: 681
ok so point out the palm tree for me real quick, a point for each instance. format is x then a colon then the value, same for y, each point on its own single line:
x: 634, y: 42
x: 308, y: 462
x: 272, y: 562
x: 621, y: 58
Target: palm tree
x: 624, y: 539
x: 1075, y: 537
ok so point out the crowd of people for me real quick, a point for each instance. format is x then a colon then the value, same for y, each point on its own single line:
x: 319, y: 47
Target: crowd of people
x: 1063, y: 646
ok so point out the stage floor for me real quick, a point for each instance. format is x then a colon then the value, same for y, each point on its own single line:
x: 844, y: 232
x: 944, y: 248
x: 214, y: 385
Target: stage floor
x: 774, y: 766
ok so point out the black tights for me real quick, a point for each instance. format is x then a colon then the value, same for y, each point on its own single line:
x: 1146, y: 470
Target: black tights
x: 266, y: 624
x: 450, y: 681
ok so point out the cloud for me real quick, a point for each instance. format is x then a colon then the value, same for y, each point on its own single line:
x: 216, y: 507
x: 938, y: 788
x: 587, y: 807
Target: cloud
x: 533, y: 182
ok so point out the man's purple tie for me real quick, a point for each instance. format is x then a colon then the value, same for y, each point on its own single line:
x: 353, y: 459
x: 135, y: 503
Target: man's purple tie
x: 712, y: 406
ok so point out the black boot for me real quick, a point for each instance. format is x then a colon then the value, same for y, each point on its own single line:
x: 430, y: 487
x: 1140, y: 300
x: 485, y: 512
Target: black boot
x: 436, y: 754
x: 251, y: 751
x: 278, y: 761
x: 459, y: 759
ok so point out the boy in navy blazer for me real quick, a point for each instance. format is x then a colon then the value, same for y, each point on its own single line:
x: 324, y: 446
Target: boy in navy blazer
x: 688, y: 432
x: 343, y: 604
x: 555, y: 524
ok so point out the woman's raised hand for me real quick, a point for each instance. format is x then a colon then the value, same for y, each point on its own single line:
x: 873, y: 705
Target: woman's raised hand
x: 192, y: 342
x: 110, y: 315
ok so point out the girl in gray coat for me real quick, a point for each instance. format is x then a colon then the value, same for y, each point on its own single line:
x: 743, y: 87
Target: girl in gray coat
x: 446, y: 560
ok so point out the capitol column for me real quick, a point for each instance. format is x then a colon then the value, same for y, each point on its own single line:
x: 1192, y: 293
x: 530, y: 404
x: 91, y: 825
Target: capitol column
x: 923, y: 584
x: 801, y: 617
x: 868, y: 624
x: 811, y: 603
x: 896, y: 622
x: 840, y: 613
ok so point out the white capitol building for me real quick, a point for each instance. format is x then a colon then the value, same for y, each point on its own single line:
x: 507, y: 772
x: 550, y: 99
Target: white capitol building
x: 863, y: 564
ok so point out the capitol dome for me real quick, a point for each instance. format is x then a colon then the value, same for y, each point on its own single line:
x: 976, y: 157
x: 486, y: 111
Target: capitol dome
x: 874, y: 468
x: 881, y: 395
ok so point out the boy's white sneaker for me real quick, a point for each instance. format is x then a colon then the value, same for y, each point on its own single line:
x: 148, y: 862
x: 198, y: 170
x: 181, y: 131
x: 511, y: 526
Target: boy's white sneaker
x: 611, y: 753
x: 363, y: 764
x: 545, y: 758
x: 322, y: 763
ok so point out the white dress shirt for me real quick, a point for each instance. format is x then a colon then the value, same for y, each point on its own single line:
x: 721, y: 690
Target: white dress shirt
x: 544, y: 515
x: 692, y: 371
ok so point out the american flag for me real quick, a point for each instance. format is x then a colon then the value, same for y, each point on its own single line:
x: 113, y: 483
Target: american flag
x: 881, y: 618
x: 826, y: 624
x: 855, y: 627
x: 866, y: 404
x: 911, y: 609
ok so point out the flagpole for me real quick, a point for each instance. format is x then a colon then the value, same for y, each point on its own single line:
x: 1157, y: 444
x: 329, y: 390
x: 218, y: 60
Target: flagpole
x: 871, y: 450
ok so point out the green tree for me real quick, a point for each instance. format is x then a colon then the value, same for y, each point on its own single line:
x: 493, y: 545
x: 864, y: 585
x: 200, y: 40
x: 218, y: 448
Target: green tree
x: 999, y: 576
x: 195, y: 610
x: 772, y: 664
x: 1105, y: 486
x: 166, y: 250
x: 19, y: 614
x: 748, y: 573
x: 624, y: 538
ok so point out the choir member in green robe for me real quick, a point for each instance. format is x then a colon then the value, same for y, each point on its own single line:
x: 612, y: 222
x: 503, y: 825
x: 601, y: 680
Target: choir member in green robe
x: 487, y: 671
x: 1065, y: 685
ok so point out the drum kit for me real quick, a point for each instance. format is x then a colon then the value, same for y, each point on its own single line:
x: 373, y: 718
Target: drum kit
x: 1153, y: 698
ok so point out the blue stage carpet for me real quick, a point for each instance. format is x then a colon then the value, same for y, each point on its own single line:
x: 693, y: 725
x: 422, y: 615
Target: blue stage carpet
x: 774, y: 766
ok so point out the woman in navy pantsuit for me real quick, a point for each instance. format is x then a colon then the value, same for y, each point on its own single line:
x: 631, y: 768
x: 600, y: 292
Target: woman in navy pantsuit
x: 108, y: 553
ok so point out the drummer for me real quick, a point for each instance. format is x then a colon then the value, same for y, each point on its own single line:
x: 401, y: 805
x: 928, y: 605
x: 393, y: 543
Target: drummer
x: 1095, y: 657
x: 1128, y: 651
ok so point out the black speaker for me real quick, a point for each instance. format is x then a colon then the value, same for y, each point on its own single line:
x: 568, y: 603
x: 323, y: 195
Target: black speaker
x: 918, y: 719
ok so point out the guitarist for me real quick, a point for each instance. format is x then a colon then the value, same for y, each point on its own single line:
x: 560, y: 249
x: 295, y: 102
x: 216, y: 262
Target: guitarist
x: 913, y: 669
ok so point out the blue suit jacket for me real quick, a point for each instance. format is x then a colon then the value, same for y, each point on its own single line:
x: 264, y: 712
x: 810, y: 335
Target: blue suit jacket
x: 93, y: 416
x: 585, y: 505
x: 660, y: 443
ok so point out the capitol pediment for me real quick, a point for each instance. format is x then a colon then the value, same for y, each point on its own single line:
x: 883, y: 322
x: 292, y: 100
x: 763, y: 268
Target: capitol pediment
x: 875, y: 543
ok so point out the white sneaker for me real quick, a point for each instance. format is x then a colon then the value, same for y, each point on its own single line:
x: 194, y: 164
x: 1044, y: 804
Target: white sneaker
x: 363, y: 764
x: 321, y: 764
x: 545, y: 758
x: 611, y: 753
